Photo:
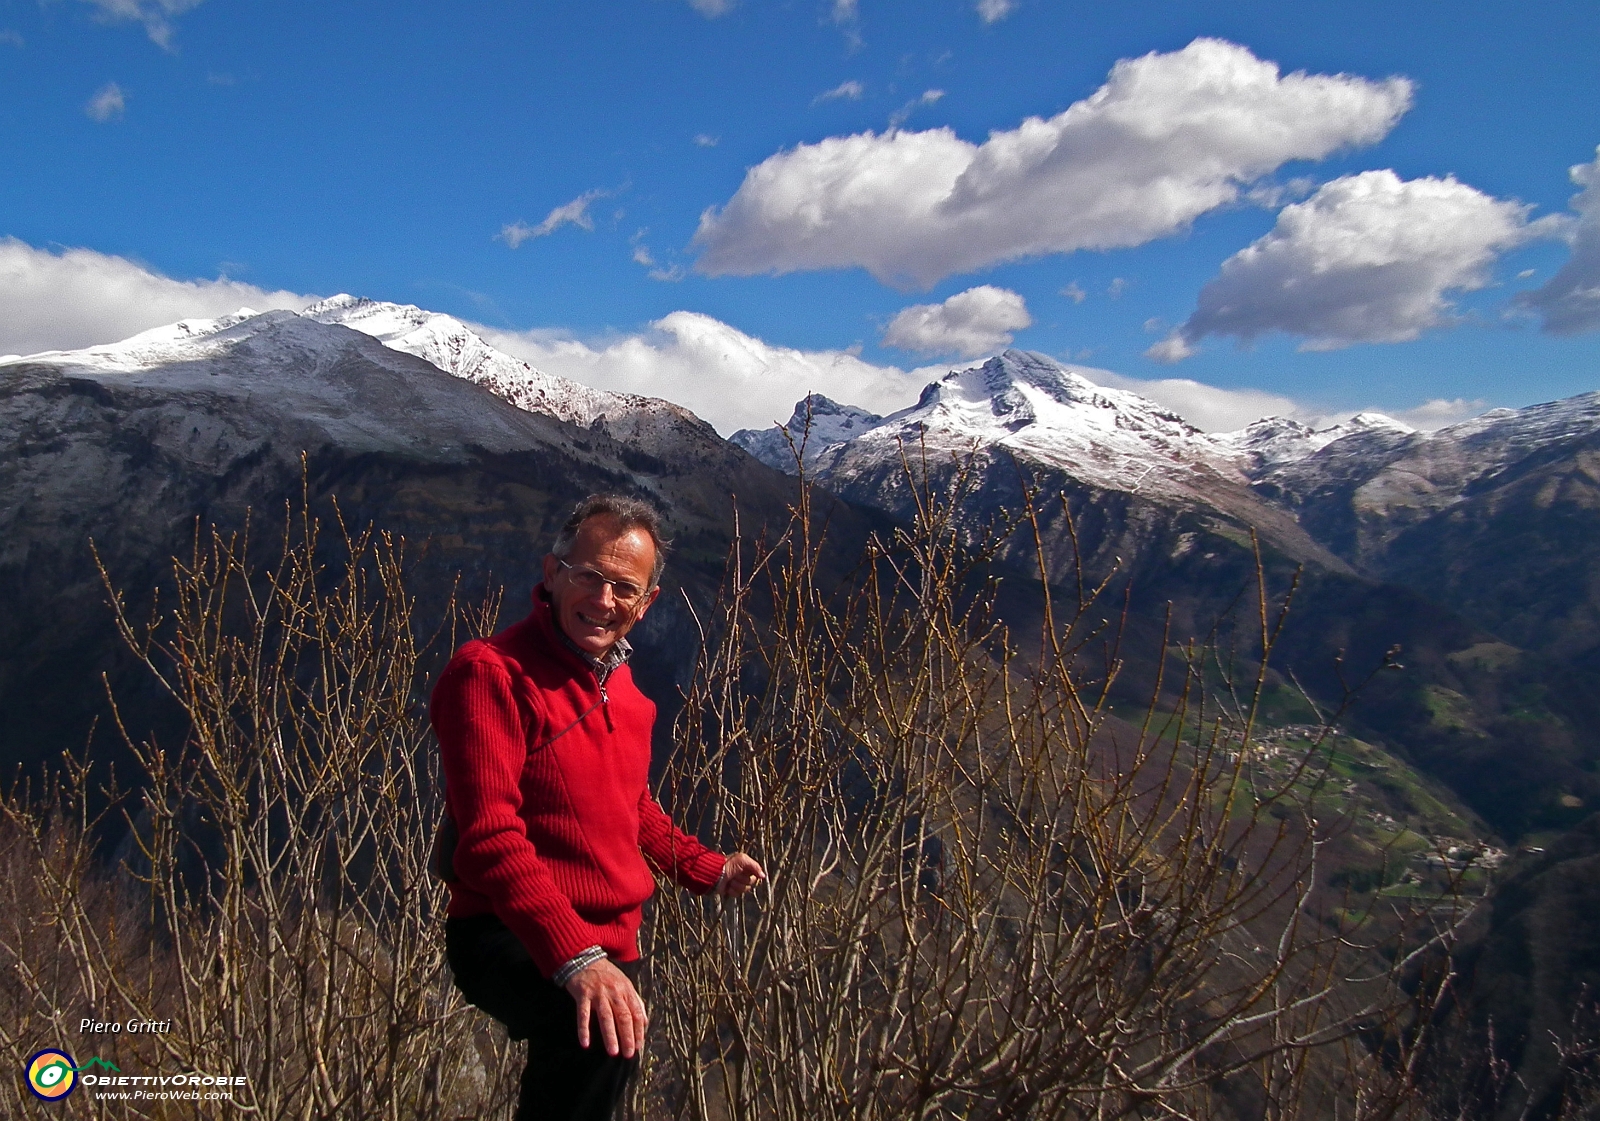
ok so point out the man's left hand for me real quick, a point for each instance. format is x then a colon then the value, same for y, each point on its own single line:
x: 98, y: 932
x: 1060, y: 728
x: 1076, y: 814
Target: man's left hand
x: 740, y: 873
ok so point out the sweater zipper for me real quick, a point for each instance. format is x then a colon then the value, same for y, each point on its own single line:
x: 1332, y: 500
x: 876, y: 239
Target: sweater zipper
x: 603, y: 704
x: 605, y: 700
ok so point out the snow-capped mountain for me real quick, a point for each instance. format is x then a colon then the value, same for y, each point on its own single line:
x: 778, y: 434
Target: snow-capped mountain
x: 1053, y: 415
x: 1431, y: 510
x: 129, y: 444
x: 1276, y: 441
x: 304, y: 381
x: 184, y: 341
x: 1370, y: 483
x: 818, y: 424
x: 1034, y: 408
x: 1350, y: 485
x: 456, y: 349
x: 253, y: 341
x: 1031, y: 409
x: 1027, y: 409
x: 1498, y: 515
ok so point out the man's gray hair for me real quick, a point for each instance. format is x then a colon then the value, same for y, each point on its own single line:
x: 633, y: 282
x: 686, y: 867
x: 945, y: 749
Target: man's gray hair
x: 630, y: 513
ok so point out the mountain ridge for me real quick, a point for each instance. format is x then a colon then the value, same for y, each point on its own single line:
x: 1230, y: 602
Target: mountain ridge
x: 138, y: 444
x: 455, y: 348
x: 1391, y: 531
x: 1475, y: 549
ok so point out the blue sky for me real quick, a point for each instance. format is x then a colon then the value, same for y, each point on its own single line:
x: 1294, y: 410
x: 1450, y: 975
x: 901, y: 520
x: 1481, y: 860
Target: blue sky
x: 1315, y: 208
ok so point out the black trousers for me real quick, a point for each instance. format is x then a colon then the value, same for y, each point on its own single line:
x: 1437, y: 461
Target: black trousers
x: 562, y: 1082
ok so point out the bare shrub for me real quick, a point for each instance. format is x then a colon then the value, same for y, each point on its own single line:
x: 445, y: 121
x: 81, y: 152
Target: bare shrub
x: 1467, y: 1078
x: 270, y: 902
x: 987, y: 899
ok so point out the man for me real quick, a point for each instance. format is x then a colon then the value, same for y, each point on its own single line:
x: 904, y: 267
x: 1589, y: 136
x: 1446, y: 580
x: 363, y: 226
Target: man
x: 546, y: 748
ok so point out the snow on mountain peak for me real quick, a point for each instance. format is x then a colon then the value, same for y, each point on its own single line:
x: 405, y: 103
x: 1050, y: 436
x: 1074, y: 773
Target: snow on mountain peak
x: 1020, y: 389
x: 187, y: 340
x: 1043, y: 411
x: 1053, y: 415
x: 1371, y: 420
x: 441, y: 340
x: 818, y: 423
x: 1273, y: 442
x: 383, y: 321
x: 456, y: 349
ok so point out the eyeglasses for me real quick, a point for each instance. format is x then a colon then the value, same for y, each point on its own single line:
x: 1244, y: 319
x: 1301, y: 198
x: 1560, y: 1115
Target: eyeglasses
x: 592, y: 581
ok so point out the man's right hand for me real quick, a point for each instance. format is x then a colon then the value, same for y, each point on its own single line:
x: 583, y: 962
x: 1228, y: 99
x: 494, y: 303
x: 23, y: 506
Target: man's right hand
x: 604, y: 993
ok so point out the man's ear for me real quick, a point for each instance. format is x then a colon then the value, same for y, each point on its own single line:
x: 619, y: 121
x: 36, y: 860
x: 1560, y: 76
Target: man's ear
x: 644, y: 604
x: 551, y: 567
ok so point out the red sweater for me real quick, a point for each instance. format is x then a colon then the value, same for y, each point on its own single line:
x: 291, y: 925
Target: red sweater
x: 547, y: 779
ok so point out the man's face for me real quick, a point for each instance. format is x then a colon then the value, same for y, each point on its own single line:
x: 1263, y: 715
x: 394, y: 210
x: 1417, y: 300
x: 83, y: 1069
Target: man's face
x: 594, y: 620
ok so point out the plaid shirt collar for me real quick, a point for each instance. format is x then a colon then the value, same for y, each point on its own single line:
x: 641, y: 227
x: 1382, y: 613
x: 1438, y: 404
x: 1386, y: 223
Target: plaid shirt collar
x: 619, y: 652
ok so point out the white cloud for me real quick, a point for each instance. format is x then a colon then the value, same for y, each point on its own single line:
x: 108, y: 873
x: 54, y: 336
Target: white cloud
x: 1213, y: 409
x: 14, y: 38
x: 993, y: 11
x: 1074, y: 292
x: 643, y: 256
x: 711, y: 9
x: 1171, y: 349
x: 847, y: 15
x: 1439, y: 412
x: 1206, y: 406
x: 156, y: 15
x: 977, y: 321
x: 1166, y: 139
x: 574, y: 213
x: 1270, y: 196
x: 1368, y: 258
x: 1570, y: 301
x: 515, y: 233
x: 850, y: 91
x: 704, y: 140
x: 107, y: 104
x: 734, y: 380
x: 725, y: 376
x: 78, y: 298
x: 902, y: 114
